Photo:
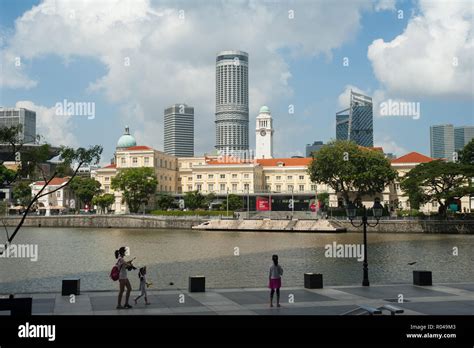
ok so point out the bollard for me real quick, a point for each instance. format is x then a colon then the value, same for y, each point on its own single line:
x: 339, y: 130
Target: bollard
x: 313, y: 281
x: 197, y: 284
x: 422, y: 278
x: 71, y: 286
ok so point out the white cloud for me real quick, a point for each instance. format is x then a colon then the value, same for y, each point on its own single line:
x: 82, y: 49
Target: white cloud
x: 384, y: 5
x: 390, y: 146
x: 433, y: 56
x: 55, y: 129
x: 172, y: 60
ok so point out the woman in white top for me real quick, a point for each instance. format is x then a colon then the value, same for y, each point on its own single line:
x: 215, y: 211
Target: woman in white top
x: 274, y: 280
x: 123, y: 278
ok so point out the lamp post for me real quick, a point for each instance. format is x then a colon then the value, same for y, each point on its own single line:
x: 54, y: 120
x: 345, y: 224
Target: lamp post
x: 351, y: 214
x: 227, y: 200
x: 248, y: 202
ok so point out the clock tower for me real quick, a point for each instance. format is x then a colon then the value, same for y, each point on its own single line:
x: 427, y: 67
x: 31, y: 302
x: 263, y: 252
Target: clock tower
x: 264, y: 136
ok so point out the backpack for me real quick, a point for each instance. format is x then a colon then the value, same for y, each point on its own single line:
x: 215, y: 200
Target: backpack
x: 115, y: 273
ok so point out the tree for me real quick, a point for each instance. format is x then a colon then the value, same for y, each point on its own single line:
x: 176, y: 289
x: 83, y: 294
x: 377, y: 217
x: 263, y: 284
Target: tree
x: 22, y: 192
x: 137, y: 184
x: 466, y: 155
x: 235, y: 203
x: 194, y: 200
x: 437, y: 181
x: 33, y: 158
x: 208, y: 199
x: 104, y: 201
x: 85, y: 188
x: 350, y: 169
x: 165, y: 201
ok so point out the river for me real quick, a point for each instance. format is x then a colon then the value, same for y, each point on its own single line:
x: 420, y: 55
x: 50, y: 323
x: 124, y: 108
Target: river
x: 228, y: 259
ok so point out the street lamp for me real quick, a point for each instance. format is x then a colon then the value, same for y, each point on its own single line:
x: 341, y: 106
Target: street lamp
x: 227, y: 199
x: 377, y: 210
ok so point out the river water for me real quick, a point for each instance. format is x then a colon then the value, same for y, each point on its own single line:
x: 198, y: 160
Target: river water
x: 173, y: 255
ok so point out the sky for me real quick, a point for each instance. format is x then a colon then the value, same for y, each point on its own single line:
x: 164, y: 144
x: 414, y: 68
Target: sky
x: 132, y: 59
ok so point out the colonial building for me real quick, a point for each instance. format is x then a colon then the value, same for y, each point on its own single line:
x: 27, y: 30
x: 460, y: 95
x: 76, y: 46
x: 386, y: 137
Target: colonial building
x: 130, y: 155
x: 59, y: 200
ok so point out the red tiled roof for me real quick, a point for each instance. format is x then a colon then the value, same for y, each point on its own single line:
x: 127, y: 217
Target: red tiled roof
x: 413, y: 157
x: 138, y: 148
x: 54, y: 182
x: 287, y: 162
x: 112, y: 165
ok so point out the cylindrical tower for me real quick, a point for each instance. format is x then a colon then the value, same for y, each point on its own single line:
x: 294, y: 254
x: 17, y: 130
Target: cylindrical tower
x: 232, y: 102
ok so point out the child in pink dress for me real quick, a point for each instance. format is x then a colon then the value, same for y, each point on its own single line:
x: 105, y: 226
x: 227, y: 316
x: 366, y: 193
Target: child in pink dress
x: 276, y: 271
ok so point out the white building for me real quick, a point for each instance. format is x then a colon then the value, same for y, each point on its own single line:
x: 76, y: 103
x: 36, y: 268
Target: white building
x: 264, y: 134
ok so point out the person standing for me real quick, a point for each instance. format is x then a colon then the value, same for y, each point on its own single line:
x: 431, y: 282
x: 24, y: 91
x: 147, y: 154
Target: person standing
x: 123, y: 267
x: 274, y: 283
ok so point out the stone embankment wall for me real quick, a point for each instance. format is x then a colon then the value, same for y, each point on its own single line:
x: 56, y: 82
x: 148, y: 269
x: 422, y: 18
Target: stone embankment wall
x: 416, y: 226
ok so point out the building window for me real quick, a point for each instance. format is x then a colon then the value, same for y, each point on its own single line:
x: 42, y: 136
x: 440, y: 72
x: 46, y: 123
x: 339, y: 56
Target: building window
x: 198, y: 187
x: 246, y: 187
x: 147, y: 160
x: 234, y: 176
x: 222, y: 186
x: 58, y: 194
x: 199, y: 176
x: 278, y: 188
x: 210, y: 176
x: 134, y: 160
x: 301, y: 188
x: 211, y: 187
x: 190, y: 187
x: 190, y: 178
x: 122, y: 160
x: 106, y: 188
x: 234, y: 187
x: 166, y: 163
x: 290, y: 177
x: 290, y: 188
x: 222, y: 176
x: 278, y: 177
x: 267, y: 178
x: 107, y: 178
x: 246, y: 176
x: 301, y: 177
x: 313, y: 187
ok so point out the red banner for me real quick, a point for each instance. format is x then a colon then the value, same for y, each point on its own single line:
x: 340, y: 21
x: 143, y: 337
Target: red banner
x: 263, y: 204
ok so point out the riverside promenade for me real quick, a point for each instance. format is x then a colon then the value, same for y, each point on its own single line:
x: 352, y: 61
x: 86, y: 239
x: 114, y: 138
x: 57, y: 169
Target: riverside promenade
x: 439, y: 299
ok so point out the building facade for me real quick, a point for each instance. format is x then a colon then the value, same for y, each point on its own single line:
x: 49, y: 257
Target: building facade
x: 232, y: 102
x: 179, y: 130
x: 264, y: 134
x: 310, y: 148
x: 357, y: 122
x: 462, y: 136
x: 20, y: 116
x: 442, y: 141
x: 59, y: 200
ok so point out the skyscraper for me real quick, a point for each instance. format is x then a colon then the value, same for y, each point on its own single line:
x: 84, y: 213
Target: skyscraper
x: 15, y: 116
x: 462, y: 136
x: 179, y: 130
x: 232, y: 102
x: 342, y: 125
x: 442, y: 141
x: 357, y: 122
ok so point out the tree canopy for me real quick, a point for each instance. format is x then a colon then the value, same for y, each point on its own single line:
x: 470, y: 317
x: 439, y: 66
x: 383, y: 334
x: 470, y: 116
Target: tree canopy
x: 437, y: 181
x: 138, y: 185
x: 103, y: 201
x: 351, y: 170
x: 85, y: 188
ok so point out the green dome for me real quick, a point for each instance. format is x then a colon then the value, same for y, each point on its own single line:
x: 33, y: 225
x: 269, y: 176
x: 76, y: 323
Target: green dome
x: 264, y: 109
x: 126, y: 140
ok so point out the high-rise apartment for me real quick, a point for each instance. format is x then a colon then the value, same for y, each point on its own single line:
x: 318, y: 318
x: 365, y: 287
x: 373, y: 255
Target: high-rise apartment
x: 179, y: 130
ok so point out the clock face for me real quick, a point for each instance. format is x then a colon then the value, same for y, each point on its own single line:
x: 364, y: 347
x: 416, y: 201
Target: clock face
x: 263, y: 133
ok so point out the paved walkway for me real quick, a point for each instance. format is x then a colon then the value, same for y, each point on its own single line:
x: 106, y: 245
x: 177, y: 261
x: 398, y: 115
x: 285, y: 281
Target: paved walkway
x: 455, y: 299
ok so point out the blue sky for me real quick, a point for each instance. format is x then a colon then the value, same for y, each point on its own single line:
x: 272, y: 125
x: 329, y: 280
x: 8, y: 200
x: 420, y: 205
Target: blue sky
x: 76, y: 53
